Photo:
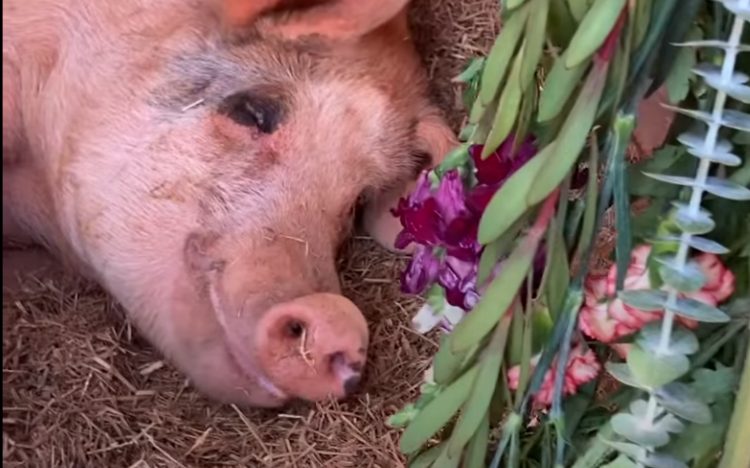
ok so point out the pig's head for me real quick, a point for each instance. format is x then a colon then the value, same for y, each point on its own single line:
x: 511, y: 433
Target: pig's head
x: 224, y: 191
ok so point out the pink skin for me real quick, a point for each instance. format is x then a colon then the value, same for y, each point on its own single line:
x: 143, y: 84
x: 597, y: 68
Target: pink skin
x: 206, y: 174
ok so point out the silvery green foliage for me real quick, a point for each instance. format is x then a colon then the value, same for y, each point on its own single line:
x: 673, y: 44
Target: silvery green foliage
x: 660, y: 354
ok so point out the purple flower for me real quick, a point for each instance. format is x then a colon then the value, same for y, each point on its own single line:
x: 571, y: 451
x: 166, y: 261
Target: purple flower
x: 443, y: 221
x: 421, y: 272
x: 500, y: 165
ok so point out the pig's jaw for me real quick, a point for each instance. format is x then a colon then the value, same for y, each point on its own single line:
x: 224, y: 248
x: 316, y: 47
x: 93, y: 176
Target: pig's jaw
x: 256, y: 375
x: 235, y: 351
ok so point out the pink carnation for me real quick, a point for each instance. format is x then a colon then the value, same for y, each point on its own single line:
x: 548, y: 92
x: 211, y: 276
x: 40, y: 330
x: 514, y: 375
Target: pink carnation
x: 582, y: 367
x: 606, y: 318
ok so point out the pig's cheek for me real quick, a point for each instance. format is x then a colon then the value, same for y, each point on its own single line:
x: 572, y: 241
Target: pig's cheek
x: 381, y: 224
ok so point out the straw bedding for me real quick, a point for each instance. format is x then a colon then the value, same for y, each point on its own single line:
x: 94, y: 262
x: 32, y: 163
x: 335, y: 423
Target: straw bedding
x: 82, y: 389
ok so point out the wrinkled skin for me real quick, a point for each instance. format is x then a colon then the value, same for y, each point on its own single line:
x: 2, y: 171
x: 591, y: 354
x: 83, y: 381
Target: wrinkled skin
x: 203, y: 165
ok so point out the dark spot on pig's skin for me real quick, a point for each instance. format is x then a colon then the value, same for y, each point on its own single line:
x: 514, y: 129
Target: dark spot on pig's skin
x: 188, y: 80
x: 253, y: 110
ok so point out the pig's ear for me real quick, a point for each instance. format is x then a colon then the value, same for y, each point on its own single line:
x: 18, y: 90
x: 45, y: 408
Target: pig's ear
x: 435, y: 139
x: 240, y: 13
x: 335, y: 19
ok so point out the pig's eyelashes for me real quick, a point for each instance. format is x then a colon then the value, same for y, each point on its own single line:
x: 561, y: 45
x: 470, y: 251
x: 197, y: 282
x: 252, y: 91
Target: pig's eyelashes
x: 252, y: 110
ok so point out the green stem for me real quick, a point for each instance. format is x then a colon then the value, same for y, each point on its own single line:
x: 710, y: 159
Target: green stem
x: 736, y: 448
x: 709, y: 146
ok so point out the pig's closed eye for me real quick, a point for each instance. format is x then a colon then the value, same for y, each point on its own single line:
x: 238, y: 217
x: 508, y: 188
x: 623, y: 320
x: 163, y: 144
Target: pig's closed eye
x: 253, y: 110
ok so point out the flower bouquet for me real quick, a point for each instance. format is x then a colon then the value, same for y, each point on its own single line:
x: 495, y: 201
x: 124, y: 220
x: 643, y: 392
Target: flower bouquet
x: 542, y: 360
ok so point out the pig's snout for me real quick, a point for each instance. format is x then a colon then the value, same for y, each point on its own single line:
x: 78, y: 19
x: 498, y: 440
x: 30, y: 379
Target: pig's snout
x: 313, y: 347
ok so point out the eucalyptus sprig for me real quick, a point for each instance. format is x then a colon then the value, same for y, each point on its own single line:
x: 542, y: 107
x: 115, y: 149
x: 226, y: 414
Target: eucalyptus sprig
x: 571, y: 73
x: 660, y: 355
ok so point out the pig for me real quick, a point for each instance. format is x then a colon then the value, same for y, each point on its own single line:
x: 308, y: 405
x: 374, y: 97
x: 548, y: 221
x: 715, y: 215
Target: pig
x: 202, y: 160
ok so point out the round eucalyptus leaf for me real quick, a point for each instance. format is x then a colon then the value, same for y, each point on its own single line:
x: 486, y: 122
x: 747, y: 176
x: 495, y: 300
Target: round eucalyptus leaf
x: 621, y: 372
x: 639, y: 431
x: 697, y: 138
x: 687, y: 278
x: 696, y: 242
x: 671, y: 179
x: 633, y: 451
x: 726, y: 188
x: 736, y: 119
x: 713, y: 43
x: 727, y: 159
x: 682, y: 400
x: 622, y: 461
x: 639, y: 408
x: 644, y: 299
x: 662, y: 460
x: 682, y: 341
x: 693, y: 223
x: 654, y: 370
x: 738, y: 8
x: 670, y: 423
x: 697, y: 310
x: 712, y: 73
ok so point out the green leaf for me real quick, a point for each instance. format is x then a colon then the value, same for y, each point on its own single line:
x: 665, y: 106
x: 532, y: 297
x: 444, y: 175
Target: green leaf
x: 476, y: 407
x: 697, y: 310
x: 536, y: 29
x: 670, y: 159
x: 654, y: 370
x: 476, y: 452
x: 509, y: 203
x: 446, y: 362
x: 702, y: 244
x: 692, y: 223
x: 498, y: 297
x: 679, y: 28
x: 687, y: 278
x: 644, y: 299
x: 711, y: 384
x: 437, y: 412
x: 638, y: 431
x: 699, y: 440
x: 571, y: 139
x: 559, y: 86
x: 682, y: 341
x: 403, y: 417
x: 472, y: 70
x: 499, y: 57
x: 595, y: 26
x: 631, y: 450
x: 683, y: 401
x: 426, y: 458
x: 621, y: 461
x: 578, y: 8
x: 446, y: 460
x: 561, y: 23
x: 559, y: 273
x: 621, y: 135
x: 507, y: 108
x: 661, y: 460
x: 678, y: 80
x: 622, y: 373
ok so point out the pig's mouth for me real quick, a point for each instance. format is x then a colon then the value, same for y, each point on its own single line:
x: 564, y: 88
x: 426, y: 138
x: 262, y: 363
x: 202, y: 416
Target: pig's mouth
x: 254, y: 375
x: 235, y: 353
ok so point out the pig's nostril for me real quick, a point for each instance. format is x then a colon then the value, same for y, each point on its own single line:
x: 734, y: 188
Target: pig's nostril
x: 338, y: 359
x: 295, y: 328
x: 351, y: 384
